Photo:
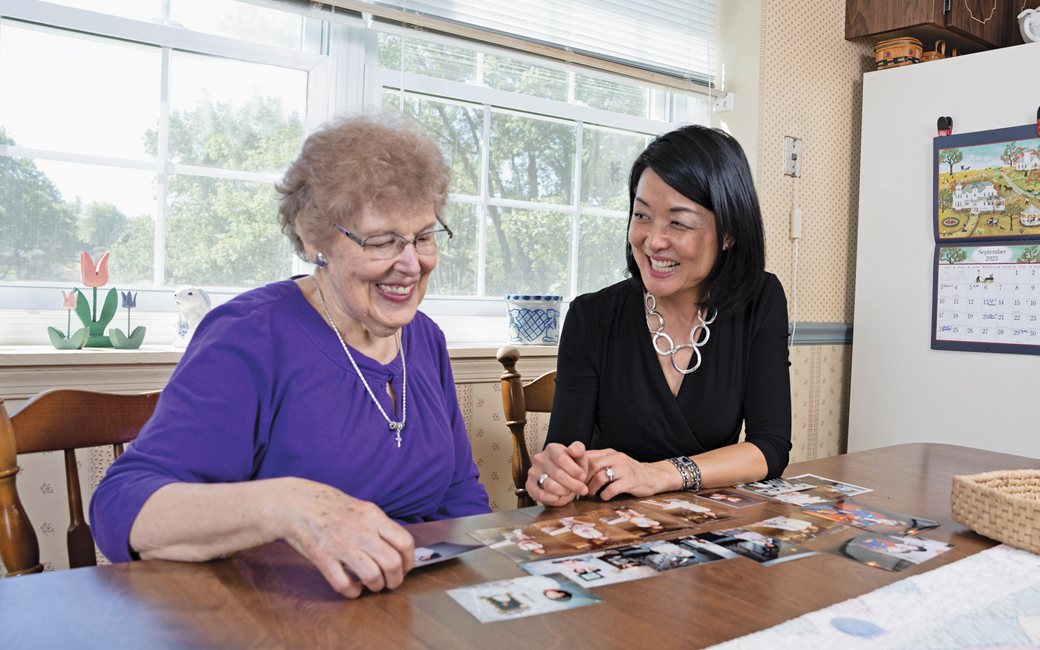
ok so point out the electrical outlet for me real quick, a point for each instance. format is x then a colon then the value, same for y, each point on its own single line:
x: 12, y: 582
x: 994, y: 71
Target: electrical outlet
x: 792, y: 156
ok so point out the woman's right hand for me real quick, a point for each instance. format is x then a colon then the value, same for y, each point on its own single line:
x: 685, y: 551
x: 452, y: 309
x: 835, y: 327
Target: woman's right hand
x: 352, y: 542
x: 566, y: 468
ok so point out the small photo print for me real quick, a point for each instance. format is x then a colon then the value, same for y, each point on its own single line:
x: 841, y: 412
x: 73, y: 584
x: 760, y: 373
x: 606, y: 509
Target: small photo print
x: 876, y: 520
x: 815, y: 495
x: 507, y: 599
x: 761, y: 548
x: 847, y: 489
x: 889, y: 552
x: 798, y: 530
x: 522, y: 543
x: 441, y: 551
x: 731, y: 498
x: 687, y: 509
x: 774, y: 486
x: 585, y: 533
x: 593, y: 569
x: 639, y: 521
x: 671, y: 554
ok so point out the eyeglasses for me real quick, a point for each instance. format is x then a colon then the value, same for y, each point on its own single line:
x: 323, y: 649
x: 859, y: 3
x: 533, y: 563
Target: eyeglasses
x: 385, y: 247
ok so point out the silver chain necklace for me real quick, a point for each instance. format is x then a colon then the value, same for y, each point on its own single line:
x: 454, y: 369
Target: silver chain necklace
x: 659, y: 333
x: 394, y: 426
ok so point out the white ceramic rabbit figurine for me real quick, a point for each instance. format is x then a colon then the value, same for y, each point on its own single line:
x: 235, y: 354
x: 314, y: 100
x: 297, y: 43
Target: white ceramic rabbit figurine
x: 1029, y: 25
x: 193, y: 304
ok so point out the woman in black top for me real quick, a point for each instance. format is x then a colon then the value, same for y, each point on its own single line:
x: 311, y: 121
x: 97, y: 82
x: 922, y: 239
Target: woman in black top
x: 627, y: 419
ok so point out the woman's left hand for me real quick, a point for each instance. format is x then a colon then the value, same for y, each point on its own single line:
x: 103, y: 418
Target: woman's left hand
x: 630, y: 476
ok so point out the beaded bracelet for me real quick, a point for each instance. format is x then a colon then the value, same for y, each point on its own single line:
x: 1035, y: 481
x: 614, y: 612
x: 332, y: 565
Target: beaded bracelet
x: 690, y: 471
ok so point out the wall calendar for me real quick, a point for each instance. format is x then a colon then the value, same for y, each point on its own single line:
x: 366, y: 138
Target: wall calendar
x: 986, y: 219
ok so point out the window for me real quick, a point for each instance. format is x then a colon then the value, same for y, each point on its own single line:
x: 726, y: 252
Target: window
x: 157, y: 129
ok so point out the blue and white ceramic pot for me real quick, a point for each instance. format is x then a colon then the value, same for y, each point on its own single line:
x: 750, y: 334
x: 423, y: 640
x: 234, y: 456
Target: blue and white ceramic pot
x: 534, y: 320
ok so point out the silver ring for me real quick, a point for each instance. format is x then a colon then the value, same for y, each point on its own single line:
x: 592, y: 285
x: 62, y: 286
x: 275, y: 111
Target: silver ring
x: 610, y: 475
x: 541, y: 480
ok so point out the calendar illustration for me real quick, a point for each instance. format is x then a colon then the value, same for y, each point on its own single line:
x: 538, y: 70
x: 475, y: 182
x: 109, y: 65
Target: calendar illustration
x: 987, y: 298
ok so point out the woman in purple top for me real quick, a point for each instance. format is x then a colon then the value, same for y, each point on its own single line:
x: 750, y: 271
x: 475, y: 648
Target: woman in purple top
x: 320, y: 410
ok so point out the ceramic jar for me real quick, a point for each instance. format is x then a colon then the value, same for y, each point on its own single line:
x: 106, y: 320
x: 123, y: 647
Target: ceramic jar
x: 534, y: 320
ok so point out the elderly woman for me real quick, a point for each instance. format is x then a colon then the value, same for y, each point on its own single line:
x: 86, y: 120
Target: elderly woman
x: 656, y: 374
x: 319, y: 410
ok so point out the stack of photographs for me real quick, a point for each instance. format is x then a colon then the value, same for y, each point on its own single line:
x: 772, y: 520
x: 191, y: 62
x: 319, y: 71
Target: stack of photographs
x: 804, y: 490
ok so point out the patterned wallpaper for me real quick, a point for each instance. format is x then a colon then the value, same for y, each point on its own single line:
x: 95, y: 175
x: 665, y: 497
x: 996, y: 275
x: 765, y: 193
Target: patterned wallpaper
x: 810, y: 87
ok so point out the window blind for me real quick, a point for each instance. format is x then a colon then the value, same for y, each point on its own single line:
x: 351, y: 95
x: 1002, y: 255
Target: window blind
x: 668, y: 37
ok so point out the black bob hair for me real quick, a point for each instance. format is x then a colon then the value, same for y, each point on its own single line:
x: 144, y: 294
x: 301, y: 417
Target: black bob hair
x: 708, y: 167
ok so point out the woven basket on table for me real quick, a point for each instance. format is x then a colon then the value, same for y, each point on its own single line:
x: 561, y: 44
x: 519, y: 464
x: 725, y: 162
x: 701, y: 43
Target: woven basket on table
x: 1004, y: 506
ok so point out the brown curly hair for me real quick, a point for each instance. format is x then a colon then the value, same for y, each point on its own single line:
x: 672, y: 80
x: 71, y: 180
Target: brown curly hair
x: 353, y: 163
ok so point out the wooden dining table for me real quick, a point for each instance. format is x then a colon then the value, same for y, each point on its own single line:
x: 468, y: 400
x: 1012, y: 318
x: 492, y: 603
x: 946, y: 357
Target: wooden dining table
x: 270, y: 597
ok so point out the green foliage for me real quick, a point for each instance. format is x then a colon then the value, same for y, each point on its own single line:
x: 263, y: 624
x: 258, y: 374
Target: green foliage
x: 100, y: 227
x: 37, y: 228
x: 133, y: 254
x: 945, y: 198
x: 951, y: 157
x: 953, y: 255
x: 1012, y: 152
x: 220, y: 231
x: 1029, y: 255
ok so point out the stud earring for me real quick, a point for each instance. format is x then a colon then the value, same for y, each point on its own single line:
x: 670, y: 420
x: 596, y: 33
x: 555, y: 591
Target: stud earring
x: 320, y: 261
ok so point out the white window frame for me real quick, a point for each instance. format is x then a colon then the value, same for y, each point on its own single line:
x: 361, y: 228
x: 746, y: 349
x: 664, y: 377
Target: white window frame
x: 343, y: 78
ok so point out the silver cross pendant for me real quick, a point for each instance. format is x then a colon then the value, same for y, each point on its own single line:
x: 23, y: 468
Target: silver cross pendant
x: 396, y: 427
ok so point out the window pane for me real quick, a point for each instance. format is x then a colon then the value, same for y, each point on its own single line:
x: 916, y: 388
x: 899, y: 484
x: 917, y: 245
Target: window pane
x: 240, y: 20
x: 78, y: 94
x: 606, y: 162
x: 428, y: 59
x: 50, y: 211
x: 235, y: 115
x: 459, y: 131
x: 224, y: 233
x: 531, y: 159
x: 525, y: 78
x: 137, y: 9
x: 456, y: 272
x: 528, y: 251
x: 601, y: 251
x: 614, y: 96
x: 391, y: 101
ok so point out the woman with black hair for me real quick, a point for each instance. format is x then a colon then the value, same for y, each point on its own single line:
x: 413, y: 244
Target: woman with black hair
x: 657, y: 374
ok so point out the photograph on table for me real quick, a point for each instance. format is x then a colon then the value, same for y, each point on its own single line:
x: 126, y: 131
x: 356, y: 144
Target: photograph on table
x: 815, y: 495
x: 774, y: 486
x: 876, y: 520
x: 639, y: 521
x: 585, y: 533
x: 848, y: 489
x: 761, y: 548
x: 522, y: 543
x: 684, y: 508
x: 798, y: 530
x: 592, y: 569
x: 673, y: 554
x: 528, y: 596
x: 441, y: 551
x: 731, y: 498
x: 890, y: 552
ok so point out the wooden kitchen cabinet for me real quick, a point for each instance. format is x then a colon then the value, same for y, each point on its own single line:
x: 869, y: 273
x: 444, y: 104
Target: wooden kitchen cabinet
x: 983, y: 23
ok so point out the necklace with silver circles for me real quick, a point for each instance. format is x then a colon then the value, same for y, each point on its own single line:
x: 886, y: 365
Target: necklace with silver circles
x: 394, y: 426
x: 651, y: 308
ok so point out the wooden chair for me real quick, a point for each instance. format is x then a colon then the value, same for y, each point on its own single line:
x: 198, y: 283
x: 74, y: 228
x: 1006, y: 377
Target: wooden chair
x: 60, y: 420
x: 517, y: 401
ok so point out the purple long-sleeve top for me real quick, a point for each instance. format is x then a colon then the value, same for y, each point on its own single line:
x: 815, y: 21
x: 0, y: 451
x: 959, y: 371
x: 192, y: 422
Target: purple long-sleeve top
x: 265, y: 390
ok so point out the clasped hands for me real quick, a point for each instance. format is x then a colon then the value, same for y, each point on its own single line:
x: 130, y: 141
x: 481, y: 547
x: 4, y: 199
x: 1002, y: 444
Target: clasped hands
x: 575, y: 471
